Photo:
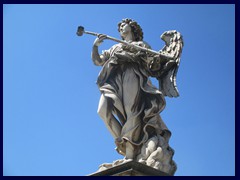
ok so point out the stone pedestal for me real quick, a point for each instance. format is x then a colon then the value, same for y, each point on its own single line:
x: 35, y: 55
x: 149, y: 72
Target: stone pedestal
x: 131, y: 168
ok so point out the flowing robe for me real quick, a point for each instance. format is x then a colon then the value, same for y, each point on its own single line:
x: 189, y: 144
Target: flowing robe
x: 136, y: 102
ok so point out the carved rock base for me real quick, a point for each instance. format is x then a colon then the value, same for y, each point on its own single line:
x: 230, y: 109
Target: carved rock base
x: 157, y: 154
x: 154, y: 154
x: 131, y: 168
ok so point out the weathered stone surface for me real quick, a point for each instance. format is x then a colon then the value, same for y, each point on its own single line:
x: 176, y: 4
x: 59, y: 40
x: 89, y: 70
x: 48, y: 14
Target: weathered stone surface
x: 130, y: 105
x: 131, y: 168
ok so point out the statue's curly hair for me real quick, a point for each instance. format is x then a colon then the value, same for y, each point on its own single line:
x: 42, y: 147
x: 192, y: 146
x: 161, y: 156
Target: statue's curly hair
x: 136, y: 28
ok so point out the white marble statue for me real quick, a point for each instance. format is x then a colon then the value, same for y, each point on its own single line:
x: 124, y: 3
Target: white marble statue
x: 130, y: 105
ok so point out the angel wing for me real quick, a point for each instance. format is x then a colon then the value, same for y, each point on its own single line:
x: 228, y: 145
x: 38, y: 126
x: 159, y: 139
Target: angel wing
x: 168, y: 72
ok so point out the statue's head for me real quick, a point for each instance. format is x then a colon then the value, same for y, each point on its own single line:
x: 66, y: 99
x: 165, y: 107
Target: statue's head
x: 135, y: 28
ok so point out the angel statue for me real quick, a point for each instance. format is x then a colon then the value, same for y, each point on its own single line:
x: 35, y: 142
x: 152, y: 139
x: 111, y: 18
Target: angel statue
x: 130, y: 105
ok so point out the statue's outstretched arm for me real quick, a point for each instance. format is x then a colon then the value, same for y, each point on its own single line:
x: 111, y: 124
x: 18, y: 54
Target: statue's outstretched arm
x: 98, y: 60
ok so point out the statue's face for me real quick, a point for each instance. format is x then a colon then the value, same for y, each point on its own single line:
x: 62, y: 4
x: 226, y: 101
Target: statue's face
x: 125, y: 29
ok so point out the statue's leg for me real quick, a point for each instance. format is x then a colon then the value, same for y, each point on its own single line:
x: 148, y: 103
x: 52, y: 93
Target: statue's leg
x: 132, y: 106
x: 129, y: 151
x: 105, y: 110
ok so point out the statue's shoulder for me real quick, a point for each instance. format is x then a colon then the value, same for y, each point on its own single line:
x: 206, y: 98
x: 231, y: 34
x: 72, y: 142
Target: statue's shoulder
x: 142, y: 44
x: 111, y: 49
x: 119, y: 45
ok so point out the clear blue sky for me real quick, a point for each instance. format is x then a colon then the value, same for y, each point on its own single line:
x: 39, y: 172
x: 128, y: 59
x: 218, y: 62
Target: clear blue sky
x: 51, y: 125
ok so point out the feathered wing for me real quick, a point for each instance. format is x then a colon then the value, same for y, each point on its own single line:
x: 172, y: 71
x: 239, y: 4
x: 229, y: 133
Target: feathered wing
x: 167, y: 80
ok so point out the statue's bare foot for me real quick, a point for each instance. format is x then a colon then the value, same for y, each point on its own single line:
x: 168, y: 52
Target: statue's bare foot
x: 105, y: 166
x: 121, y: 161
x: 117, y: 162
x: 125, y: 160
